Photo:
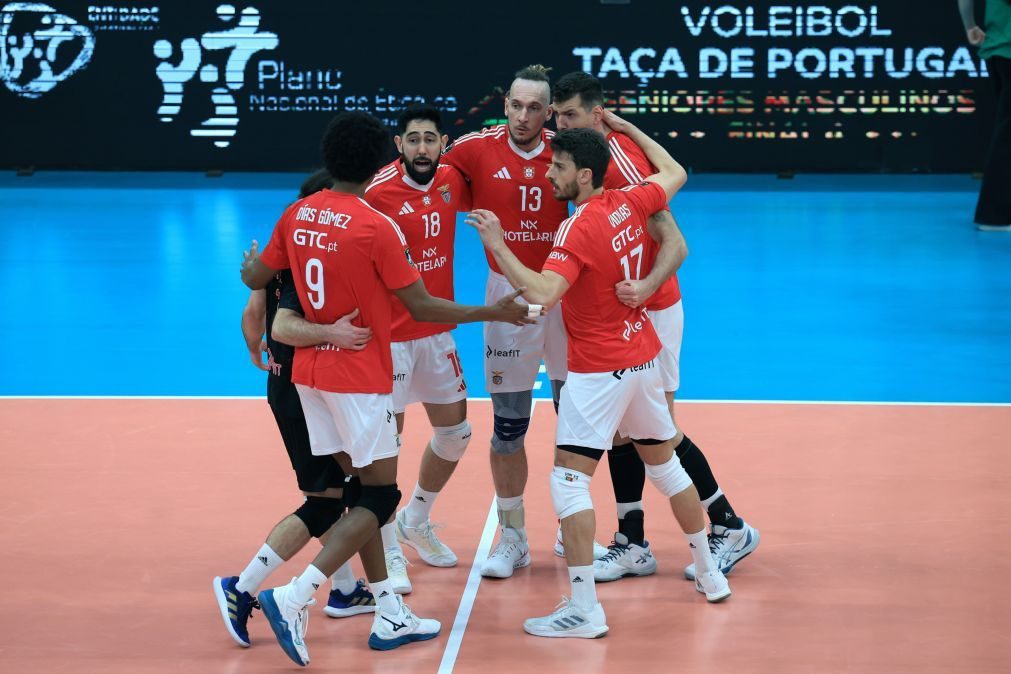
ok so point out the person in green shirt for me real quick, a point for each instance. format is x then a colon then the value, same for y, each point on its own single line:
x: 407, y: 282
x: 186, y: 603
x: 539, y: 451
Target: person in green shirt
x: 993, y: 210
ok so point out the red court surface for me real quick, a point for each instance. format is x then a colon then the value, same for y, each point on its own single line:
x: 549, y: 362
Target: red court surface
x: 885, y: 545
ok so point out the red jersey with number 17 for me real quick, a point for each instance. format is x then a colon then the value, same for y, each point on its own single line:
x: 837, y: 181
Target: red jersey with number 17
x: 344, y: 255
x: 426, y: 214
x: 600, y: 245
x: 629, y: 166
x: 513, y: 185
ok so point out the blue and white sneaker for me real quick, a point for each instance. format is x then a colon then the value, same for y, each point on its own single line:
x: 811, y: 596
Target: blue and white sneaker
x: 390, y: 631
x: 341, y: 605
x: 288, y: 620
x: 728, y: 547
x: 236, y: 608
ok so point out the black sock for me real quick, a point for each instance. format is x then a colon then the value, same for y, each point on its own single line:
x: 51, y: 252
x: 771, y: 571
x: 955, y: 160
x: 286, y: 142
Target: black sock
x: 628, y: 473
x: 694, y: 462
x: 632, y: 527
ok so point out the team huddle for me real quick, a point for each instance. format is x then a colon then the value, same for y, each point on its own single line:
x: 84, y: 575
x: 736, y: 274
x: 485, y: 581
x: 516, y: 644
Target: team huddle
x: 354, y: 295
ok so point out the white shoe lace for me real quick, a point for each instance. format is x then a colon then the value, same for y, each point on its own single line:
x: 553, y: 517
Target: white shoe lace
x: 396, y: 564
x: 427, y: 532
x: 504, y: 549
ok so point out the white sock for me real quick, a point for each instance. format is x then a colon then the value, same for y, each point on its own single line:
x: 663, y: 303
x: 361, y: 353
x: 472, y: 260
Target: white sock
x: 699, y: 546
x: 390, y: 542
x: 514, y: 505
x: 626, y: 508
x: 709, y: 501
x: 343, y: 580
x: 584, y: 590
x: 306, y: 585
x: 265, y: 561
x: 419, y: 509
x: 386, y: 599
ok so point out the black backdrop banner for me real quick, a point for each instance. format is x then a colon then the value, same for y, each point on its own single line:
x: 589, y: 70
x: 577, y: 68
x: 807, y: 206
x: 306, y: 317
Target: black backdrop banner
x: 735, y: 86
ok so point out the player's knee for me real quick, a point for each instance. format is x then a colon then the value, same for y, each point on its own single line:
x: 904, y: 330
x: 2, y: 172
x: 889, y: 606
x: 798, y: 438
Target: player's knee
x: 450, y: 442
x: 570, y: 492
x: 509, y: 435
x: 670, y: 478
x: 381, y: 500
x: 319, y: 513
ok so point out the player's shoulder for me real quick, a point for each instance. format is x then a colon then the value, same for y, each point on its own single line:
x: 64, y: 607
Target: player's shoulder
x: 447, y: 173
x: 492, y: 134
x: 384, y: 178
x: 574, y: 225
x: 622, y: 144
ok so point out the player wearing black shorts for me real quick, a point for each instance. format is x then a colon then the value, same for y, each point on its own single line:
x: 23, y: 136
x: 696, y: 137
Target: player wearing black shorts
x: 320, y: 478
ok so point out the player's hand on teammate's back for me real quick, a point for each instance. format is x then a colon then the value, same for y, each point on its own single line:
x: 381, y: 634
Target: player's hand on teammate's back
x: 345, y: 335
x: 633, y: 293
x: 508, y: 310
x: 488, y: 227
x: 975, y: 35
x: 250, y: 256
x: 256, y: 354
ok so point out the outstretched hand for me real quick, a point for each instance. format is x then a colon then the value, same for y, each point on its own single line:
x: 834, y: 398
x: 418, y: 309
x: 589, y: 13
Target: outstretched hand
x: 508, y: 310
x: 487, y: 225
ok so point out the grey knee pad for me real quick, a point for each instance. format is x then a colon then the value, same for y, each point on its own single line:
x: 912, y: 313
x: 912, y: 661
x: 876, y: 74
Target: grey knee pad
x: 512, y: 417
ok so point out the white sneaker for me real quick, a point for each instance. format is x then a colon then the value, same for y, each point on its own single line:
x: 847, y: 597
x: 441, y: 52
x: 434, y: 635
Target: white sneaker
x: 288, y: 620
x: 729, y: 546
x: 714, y: 585
x: 598, y: 549
x: 512, y: 552
x: 392, y: 630
x: 571, y: 621
x: 423, y: 539
x: 624, y: 559
x: 396, y: 570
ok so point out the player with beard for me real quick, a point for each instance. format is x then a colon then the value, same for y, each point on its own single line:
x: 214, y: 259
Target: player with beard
x: 578, y: 103
x: 424, y: 197
x: 614, y: 383
x: 506, y: 167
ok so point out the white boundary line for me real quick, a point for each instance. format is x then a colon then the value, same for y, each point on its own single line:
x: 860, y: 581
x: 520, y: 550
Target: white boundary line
x: 891, y: 403
x: 473, y: 582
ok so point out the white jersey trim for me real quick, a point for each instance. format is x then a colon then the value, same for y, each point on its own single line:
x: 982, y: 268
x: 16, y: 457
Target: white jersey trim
x: 628, y: 170
x: 526, y: 155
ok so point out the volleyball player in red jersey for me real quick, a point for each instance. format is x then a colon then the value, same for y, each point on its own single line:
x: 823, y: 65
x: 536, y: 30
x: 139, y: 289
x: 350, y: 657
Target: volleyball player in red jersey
x: 577, y: 99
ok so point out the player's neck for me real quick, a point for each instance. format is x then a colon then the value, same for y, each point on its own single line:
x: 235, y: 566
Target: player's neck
x: 357, y: 189
x: 589, y: 193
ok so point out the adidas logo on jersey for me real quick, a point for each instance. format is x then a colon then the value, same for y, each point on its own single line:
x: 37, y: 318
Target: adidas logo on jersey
x: 406, y: 209
x: 502, y: 174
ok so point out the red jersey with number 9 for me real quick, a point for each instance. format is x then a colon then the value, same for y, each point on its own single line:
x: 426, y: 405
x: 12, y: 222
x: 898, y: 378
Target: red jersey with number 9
x: 344, y: 255
x: 513, y: 185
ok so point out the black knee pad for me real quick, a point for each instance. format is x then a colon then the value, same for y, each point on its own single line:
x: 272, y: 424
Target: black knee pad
x: 382, y: 500
x: 319, y: 513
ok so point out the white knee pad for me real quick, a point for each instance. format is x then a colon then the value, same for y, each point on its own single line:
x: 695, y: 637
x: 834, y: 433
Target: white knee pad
x: 570, y: 492
x: 670, y: 478
x: 450, y: 442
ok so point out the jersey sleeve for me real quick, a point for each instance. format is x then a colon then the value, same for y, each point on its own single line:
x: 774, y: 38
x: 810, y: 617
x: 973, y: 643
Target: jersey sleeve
x: 461, y: 155
x: 568, y: 257
x: 275, y: 253
x: 392, y: 257
x: 647, y: 198
x: 289, y: 294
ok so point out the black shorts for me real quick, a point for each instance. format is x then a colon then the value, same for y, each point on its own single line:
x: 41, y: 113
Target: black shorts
x: 314, y: 473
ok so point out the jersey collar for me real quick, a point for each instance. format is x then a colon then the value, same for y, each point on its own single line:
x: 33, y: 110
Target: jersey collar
x: 410, y: 182
x: 527, y: 155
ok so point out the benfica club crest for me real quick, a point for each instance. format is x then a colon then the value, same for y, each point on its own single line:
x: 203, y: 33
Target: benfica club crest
x: 444, y: 190
x: 496, y: 377
x: 528, y: 172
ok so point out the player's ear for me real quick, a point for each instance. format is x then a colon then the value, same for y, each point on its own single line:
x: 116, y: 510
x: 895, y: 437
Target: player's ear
x: 551, y: 111
x: 399, y: 142
x: 445, y: 141
x: 598, y: 114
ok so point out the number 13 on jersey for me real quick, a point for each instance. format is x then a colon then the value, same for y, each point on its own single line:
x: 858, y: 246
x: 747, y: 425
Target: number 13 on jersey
x: 530, y: 198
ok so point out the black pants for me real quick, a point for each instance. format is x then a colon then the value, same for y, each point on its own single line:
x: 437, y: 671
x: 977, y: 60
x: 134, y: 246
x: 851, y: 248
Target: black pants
x: 994, y: 205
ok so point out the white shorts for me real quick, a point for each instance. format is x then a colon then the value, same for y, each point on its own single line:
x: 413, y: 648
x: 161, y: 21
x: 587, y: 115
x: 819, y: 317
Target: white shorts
x: 513, y: 354
x: 670, y: 325
x: 361, y: 425
x: 595, y: 405
x: 427, y: 370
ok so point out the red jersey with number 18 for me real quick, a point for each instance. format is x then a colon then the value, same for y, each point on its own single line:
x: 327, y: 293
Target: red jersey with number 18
x: 629, y: 166
x: 426, y: 214
x: 344, y: 255
x: 599, y: 246
x: 513, y: 185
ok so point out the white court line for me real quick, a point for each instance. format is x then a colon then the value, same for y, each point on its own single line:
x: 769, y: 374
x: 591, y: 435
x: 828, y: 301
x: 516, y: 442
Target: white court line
x: 473, y: 582
x: 892, y: 403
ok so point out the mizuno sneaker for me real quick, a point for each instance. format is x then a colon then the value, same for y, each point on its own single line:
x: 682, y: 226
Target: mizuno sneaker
x: 714, y: 585
x: 390, y: 631
x: 396, y: 570
x: 236, y: 608
x: 598, y: 549
x: 341, y: 605
x: 288, y: 620
x: 624, y: 559
x: 423, y: 539
x: 728, y: 547
x: 512, y: 552
x: 569, y: 621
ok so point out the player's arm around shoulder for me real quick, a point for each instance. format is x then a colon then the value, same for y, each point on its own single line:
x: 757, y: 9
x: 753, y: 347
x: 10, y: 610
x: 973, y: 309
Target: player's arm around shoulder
x: 670, y: 175
x: 292, y: 328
